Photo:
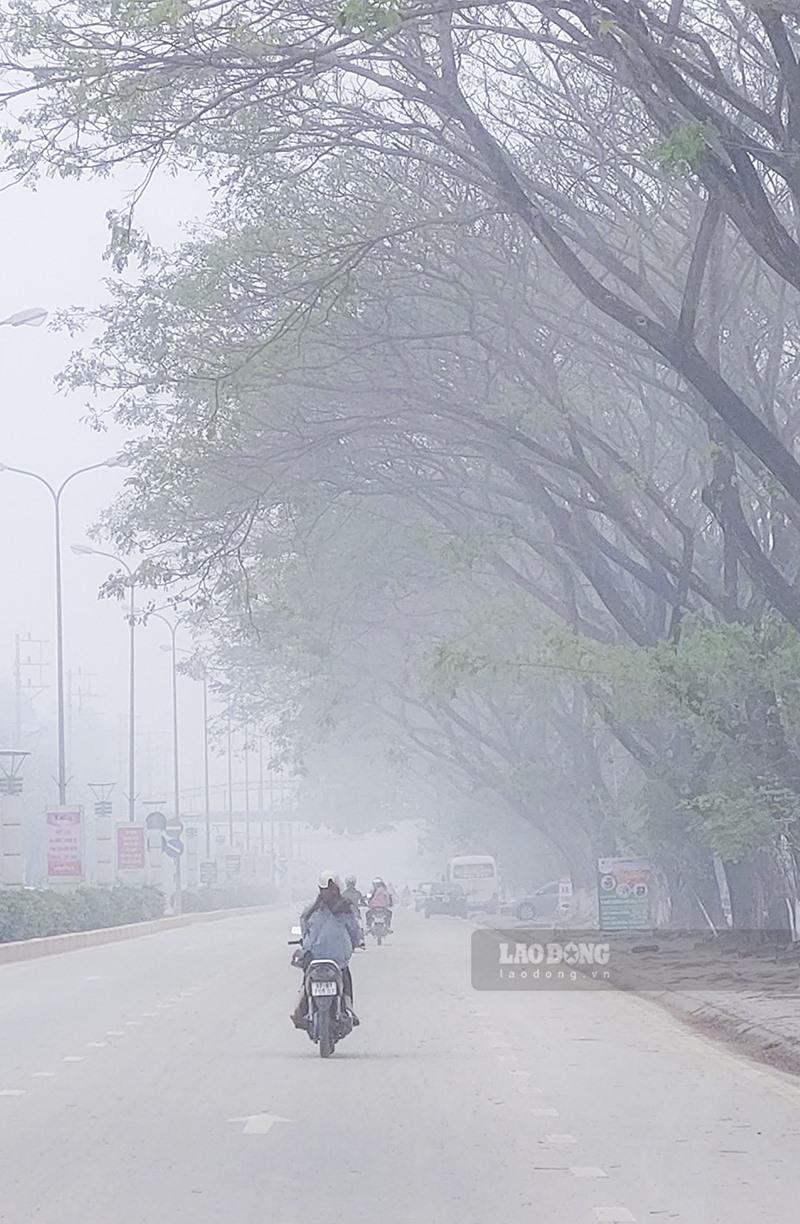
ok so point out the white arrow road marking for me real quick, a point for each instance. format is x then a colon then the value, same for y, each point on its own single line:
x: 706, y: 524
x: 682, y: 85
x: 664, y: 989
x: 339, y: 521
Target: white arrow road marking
x: 259, y: 1124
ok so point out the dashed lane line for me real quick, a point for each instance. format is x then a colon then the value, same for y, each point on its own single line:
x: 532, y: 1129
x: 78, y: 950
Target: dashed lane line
x: 587, y: 1171
x: 12, y: 1092
x: 614, y: 1215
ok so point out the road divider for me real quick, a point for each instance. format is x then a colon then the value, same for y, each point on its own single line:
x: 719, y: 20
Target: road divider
x: 52, y: 945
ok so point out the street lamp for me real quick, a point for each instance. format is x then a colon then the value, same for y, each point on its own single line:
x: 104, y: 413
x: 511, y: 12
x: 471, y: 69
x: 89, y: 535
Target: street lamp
x: 84, y: 550
x: 206, y: 786
x: 55, y: 493
x: 173, y: 627
x: 12, y: 864
x: 33, y: 317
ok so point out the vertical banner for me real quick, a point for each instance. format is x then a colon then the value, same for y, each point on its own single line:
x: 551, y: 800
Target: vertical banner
x: 623, y: 889
x: 131, y: 847
x: 64, y: 839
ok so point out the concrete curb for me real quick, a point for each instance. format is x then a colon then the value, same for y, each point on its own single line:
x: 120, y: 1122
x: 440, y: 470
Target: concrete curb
x: 758, y: 1041
x: 52, y: 945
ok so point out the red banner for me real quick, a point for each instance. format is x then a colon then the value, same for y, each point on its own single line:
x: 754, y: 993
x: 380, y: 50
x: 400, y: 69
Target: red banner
x: 130, y: 847
x: 64, y: 844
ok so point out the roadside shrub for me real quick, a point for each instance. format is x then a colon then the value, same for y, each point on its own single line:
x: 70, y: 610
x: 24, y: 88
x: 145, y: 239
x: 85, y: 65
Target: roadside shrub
x: 33, y: 913
x: 207, y: 899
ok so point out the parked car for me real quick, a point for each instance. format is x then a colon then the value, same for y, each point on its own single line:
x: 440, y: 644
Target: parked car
x: 543, y: 903
x: 446, y: 899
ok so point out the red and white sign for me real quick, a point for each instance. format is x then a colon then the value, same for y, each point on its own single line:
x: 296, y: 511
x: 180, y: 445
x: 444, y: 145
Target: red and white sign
x: 64, y: 843
x: 130, y: 847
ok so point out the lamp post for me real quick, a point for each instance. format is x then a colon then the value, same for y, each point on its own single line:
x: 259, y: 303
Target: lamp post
x: 173, y: 627
x: 206, y: 751
x: 83, y: 550
x: 12, y: 864
x: 55, y: 494
x: 33, y: 317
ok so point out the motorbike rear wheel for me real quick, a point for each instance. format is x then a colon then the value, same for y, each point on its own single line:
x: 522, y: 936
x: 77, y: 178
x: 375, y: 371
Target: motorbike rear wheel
x: 326, y: 1042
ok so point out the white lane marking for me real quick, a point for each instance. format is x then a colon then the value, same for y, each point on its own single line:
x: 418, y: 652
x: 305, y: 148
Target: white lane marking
x: 73, y: 1058
x: 133, y: 1023
x: 12, y: 1092
x: 531, y: 1088
x: 521, y: 1071
x: 149, y: 1015
x: 559, y: 1140
x: 545, y: 1113
x: 587, y: 1171
x: 259, y: 1124
x: 93, y: 977
x: 96, y: 1045
x: 43, y: 1074
x: 165, y: 1006
x: 115, y: 1033
x: 614, y: 1215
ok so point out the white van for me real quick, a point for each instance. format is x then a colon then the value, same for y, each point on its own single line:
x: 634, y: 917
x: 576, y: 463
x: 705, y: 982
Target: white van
x: 478, y: 876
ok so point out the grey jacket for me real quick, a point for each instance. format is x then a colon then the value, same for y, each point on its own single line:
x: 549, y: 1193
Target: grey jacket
x: 330, y: 936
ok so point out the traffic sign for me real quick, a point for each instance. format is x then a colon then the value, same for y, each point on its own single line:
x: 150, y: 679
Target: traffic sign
x: 156, y: 820
x: 173, y: 846
x: 209, y: 872
x: 174, y: 826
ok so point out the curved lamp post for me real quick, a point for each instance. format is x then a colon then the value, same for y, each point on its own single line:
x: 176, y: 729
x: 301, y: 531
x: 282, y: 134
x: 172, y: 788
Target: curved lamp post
x: 33, y: 317
x: 84, y: 550
x: 56, y: 493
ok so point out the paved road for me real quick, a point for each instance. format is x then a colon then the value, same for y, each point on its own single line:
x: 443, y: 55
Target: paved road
x: 122, y: 1066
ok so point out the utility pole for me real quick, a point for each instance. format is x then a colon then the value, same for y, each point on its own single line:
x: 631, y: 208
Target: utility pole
x: 246, y: 790
x: 230, y: 780
x: 24, y: 662
x: 261, y: 789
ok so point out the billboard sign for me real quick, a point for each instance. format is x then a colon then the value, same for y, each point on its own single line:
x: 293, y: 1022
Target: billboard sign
x: 131, y: 847
x: 623, y: 890
x: 64, y: 841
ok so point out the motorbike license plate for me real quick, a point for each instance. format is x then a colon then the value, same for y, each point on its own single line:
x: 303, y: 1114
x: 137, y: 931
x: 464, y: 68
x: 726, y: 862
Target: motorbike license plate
x: 324, y: 988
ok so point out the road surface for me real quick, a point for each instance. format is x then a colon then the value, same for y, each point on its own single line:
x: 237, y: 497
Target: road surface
x: 160, y: 1081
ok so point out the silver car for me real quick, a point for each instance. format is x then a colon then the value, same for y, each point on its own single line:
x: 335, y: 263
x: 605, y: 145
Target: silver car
x: 543, y: 903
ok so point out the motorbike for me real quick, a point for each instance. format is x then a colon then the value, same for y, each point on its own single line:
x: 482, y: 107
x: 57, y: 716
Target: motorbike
x: 378, y: 924
x: 327, y: 1018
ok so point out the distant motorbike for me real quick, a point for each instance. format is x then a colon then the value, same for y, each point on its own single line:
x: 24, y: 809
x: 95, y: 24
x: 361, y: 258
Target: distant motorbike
x: 378, y: 924
x: 327, y: 1018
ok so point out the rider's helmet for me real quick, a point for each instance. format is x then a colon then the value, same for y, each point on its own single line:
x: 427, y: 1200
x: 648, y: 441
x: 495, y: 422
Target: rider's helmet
x: 378, y: 881
x: 328, y: 879
x: 350, y: 881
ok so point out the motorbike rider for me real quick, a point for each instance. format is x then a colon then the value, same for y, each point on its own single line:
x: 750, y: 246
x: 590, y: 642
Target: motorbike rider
x: 354, y: 895
x: 379, y: 898
x: 330, y: 931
